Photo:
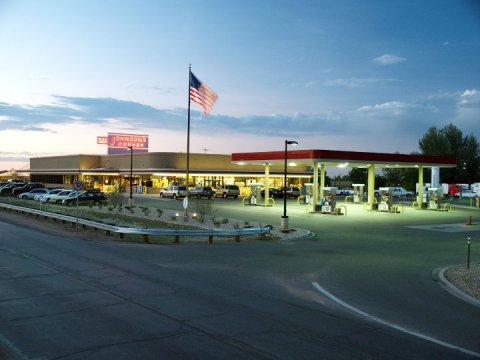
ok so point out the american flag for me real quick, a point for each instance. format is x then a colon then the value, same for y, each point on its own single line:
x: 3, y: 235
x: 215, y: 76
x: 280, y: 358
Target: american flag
x: 202, y: 94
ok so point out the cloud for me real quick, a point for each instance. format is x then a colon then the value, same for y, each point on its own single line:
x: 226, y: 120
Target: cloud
x: 398, y: 122
x: 469, y: 93
x: 355, y: 82
x: 389, y: 59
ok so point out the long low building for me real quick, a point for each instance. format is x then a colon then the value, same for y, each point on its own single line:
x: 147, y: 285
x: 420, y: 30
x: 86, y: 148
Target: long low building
x: 156, y: 170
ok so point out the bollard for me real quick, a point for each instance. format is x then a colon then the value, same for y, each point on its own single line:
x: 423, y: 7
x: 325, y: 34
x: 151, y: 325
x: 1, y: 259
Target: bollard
x: 469, y: 220
x: 284, y: 224
x: 468, y: 253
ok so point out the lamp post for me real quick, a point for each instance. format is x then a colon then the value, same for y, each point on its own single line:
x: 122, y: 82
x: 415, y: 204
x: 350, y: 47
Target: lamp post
x: 130, y: 199
x: 284, y: 220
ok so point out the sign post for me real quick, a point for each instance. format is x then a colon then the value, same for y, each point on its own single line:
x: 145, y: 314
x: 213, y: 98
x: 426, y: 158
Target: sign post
x: 78, y: 186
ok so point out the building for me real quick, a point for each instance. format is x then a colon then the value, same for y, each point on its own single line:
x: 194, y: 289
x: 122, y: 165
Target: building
x: 154, y: 170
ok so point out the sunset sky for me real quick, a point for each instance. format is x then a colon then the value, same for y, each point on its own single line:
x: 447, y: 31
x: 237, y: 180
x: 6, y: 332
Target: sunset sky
x: 345, y: 75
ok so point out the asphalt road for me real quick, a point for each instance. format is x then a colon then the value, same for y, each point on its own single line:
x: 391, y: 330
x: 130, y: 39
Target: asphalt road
x: 63, y: 297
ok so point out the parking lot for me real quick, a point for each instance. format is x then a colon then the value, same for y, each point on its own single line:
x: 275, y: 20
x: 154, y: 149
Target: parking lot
x: 374, y: 269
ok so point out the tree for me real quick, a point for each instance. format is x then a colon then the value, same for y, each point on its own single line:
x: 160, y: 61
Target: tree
x: 449, y: 141
x: 358, y: 176
x: 394, y: 176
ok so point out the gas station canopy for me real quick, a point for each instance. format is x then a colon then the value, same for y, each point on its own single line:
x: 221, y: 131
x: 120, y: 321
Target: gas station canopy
x: 335, y: 158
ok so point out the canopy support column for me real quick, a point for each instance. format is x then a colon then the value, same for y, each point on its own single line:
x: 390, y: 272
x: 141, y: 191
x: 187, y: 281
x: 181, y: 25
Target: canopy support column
x: 315, y: 183
x: 371, y: 185
x: 420, y: 186
x: 267, y: 181
x: 322, y: 180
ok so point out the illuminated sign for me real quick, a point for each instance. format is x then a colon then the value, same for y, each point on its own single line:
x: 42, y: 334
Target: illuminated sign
x: 119, y: 143
x: 103, y: 140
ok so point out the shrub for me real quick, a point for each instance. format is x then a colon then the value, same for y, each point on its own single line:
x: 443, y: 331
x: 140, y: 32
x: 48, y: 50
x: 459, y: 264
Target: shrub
x: 203, y: 208
x: 146, y: 211
x: 115, y: 198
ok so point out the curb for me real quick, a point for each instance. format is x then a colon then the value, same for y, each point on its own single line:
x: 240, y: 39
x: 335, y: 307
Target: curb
x: 439, y: 277
x: 308, y: 234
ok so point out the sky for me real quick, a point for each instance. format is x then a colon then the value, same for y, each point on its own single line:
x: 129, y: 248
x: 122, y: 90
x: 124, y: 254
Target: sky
x: 340, y: 75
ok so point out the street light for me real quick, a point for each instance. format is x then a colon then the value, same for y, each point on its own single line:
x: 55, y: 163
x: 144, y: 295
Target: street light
x: 130, y: 200
x: 284, y: 220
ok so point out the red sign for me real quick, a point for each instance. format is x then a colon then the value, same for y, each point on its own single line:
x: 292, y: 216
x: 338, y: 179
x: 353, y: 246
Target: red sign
x: 119, y: 143
x: 116, y: 140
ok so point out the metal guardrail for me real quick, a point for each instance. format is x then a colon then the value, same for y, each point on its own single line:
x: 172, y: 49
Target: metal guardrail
x: 145, y: 232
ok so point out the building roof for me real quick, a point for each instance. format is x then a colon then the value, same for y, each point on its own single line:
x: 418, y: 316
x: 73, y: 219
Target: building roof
x: 336, y: 158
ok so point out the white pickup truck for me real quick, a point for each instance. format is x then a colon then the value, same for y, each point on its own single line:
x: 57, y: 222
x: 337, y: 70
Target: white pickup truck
x: 397, y: 192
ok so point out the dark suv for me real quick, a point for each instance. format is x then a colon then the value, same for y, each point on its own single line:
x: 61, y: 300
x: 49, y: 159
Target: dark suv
x: 201, y: 191
x: 7, y: 189
x: 26, y: 188
x: 228, y: 191
x: 292, y: 191
x: 86, y: 198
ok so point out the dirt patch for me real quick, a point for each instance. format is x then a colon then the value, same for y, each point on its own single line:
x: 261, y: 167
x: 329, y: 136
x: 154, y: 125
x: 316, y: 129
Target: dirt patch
x: 467, y: 280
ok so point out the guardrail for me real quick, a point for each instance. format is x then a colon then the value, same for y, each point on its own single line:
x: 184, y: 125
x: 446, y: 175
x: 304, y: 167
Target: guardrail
x: 145, y: 232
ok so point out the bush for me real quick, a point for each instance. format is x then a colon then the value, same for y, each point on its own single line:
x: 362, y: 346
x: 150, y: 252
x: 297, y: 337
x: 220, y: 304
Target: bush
x: 160, y: 212
x: 115, y: 198
x: 146, y: 211
x: 204, y: 209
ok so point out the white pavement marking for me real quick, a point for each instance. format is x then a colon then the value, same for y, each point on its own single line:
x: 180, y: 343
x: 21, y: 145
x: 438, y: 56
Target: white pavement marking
x: 386, y: 323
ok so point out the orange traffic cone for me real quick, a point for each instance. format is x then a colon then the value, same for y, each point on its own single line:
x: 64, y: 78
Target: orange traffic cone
x: 469, y: 221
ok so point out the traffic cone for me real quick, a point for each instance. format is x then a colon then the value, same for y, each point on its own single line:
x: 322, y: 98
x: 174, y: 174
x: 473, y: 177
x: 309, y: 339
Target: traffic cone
x: 469, y: 221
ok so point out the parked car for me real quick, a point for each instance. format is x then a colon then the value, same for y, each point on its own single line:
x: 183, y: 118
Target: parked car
x: 228, y: 191
x: 466, y: 194
x: 7, y: 189
x: 57, y: 197
x: 39, y: 197
x: 292, y: 191
x: 26, y: 188
x: 85, y: 198
x: 32, y: 193
x: 174, y: 191
x: 397, y: 192
x: 348, y: 192
x: 201, y: 191
x: 273, y: 193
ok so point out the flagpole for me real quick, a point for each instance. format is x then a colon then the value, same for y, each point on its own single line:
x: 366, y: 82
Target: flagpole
x: 188, y: 136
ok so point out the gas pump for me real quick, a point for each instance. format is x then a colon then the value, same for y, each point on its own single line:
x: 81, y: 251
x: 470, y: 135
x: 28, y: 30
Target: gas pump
x: 435, y: 197
x: 329, y: 202
x: 309, y: 193
x: 386, y: 199
x: 423, y: 202
x: 255, y: 194
x: 358, y: 194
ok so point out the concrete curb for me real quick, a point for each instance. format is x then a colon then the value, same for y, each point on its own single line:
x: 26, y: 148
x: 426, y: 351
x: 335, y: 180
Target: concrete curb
x: 306, y: 234
x: 438, y: 275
